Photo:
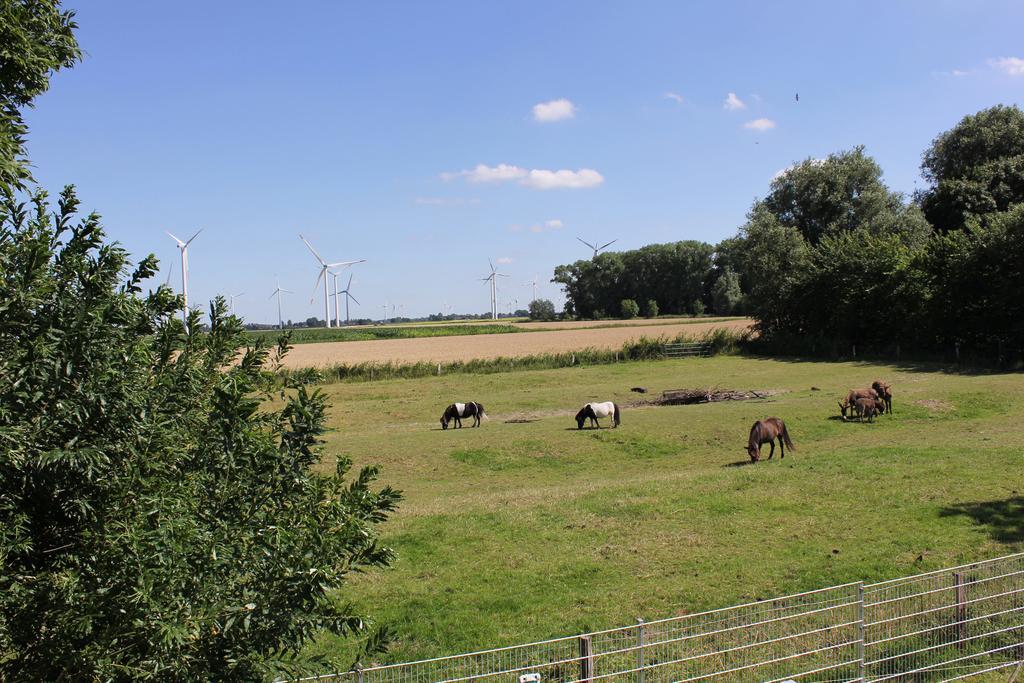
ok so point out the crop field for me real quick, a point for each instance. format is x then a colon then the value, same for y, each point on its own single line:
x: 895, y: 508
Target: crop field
x: 528, y: 528
x: 441, y: 348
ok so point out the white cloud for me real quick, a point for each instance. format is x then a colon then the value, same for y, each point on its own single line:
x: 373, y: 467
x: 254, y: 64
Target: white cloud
x: 553, y: 224
x: 555, y: 110
x: 445, y: 201
x: 760, y: 124
x: 488, y: 174
x: 1011, y: 66
x: 958, y: 72
x: 538, y: 178
x: 732, y: 102
x: 675, y: 97
x: 503, y: 260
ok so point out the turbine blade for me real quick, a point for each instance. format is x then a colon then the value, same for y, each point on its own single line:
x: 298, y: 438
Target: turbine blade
x: 607, y: 245
x: 349, y: 285
x: 490, y: 264
x: 342, y: 264
x: 180, y: 243
x: 312, y: 250
x: 586, y: 242
x: 353, y: 298
x: 286, y: 291
x: 275, y: 293
x: 189, y: 240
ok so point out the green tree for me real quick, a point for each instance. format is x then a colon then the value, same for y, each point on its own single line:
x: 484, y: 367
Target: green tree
x: 651, y: 309
x: 159, y: 517
x: 697, y: 307
x: 844, y: 191
x: 975, y: 168
x: 542, y: 309
x: 629, y: 309
x: 36, y: 39
x: 726, y: 294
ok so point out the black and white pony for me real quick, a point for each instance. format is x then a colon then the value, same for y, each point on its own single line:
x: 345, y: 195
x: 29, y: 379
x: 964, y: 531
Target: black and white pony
x: 598, y: 410
x: 457, y: 411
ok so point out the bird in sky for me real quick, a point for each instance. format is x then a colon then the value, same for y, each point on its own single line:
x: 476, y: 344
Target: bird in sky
x: 798, y: 97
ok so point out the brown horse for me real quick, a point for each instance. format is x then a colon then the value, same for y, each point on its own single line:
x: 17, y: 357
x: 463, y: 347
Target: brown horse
x: 884, y: 391
x: 851, y: 400
x: 866, y: 407
x: 766, y: 431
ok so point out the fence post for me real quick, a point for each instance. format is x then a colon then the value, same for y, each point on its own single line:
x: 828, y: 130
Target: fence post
x: 861, y: 631
x: 961, y: 609
x: 586, y: 660
x: 359, y: 673
x: 640, y: 674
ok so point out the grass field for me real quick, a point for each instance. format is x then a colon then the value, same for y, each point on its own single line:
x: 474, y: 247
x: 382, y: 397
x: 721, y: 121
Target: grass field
x: 525, y: 530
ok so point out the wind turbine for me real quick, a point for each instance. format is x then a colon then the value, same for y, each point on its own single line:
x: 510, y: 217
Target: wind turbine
x: 278, y: 292
x: 231, y: 301
x: 346, y: 293
x: 183, y: 248
x: 597, y: 249
x: 324, y: 267
x: 493, y: 278
x: 534, y: 283
x: 385, y: 307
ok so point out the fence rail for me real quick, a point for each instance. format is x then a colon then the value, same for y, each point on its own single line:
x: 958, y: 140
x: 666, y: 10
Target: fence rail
x: 686, y: 349
x: 946, y: 625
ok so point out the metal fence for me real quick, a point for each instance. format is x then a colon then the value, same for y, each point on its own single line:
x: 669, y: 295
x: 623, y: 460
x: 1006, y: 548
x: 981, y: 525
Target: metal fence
x: 947, y: 625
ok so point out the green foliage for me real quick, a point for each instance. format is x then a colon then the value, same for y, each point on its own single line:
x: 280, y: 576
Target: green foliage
x: 159, y: 518
x: 542, y: 309
x: 36, y: 39
x: 726, y: 294
x: 630, y: 309
x: 842, y: 192
x: 673, y: 274
x: 976, y: 168
x: 697, y: 307
x: 651, y: 309
x: 832, y: 260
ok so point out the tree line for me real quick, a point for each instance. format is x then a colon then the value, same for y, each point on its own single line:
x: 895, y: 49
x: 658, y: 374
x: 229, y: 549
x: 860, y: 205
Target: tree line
x: 832, y: 260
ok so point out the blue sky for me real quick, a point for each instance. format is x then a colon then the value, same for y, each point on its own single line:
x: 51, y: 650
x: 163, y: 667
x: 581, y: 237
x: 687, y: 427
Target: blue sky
x: 406, y: 133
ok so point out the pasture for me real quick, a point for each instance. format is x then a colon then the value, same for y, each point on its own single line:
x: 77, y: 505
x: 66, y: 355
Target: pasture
x: 528, y: 529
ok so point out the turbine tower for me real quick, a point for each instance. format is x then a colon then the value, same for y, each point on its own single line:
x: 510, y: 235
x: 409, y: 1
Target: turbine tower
x: 534, y: 283
x: 324, y: 267
x: 345, y: 293
x: 278, y: 292
x: 493, y: 279
x: 231, y: 302
x: 597, y: 249
x: 183, y: 248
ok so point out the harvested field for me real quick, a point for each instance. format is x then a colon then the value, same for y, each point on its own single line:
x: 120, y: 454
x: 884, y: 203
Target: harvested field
x: 440, y: 349
x: 635, y: 322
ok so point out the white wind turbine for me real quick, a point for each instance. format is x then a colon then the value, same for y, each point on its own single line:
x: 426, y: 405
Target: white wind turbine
x: 231, y: 301
x: 345, y: 293
x: 324, y: 267
x: 183, y: 248
x: 534, y: 283
x: 597, y: 249
x: 278, y: 292
x: 493, y: 278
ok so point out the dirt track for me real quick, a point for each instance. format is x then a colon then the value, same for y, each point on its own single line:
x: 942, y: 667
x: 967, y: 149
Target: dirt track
x: 486, y: 345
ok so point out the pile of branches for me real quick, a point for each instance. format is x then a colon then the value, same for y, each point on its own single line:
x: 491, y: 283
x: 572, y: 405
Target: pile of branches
x: 676, y: 397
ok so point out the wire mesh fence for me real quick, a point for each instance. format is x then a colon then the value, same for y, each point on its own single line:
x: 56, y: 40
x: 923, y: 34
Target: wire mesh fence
x: 952, y: 624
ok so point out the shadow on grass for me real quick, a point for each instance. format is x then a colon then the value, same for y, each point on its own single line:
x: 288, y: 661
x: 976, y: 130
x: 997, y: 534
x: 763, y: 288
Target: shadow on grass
x: 1004, y: 518
x: 739, y: 463
x: 871, y: 363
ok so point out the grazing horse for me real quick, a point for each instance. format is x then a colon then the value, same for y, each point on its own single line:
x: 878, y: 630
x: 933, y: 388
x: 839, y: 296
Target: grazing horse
x: 851, y: 400
x: 866, y: 407
x: 766, y: 431
x: 457, y: 411
x: 884, y: 391
x: 598, y: 410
